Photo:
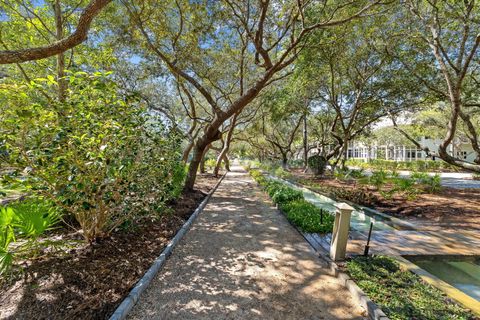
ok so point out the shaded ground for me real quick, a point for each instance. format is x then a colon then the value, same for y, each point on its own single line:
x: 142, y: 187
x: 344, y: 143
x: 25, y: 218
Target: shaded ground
x: 243, y: 260
x: 90, y: 282
x: 451, y: 207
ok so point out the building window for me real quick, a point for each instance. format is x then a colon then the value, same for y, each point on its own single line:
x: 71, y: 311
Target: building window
x: 462, y: 155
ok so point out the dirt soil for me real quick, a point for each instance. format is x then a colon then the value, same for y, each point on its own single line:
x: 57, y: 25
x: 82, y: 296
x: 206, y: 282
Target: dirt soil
x: 451, y: 208
x: 89, y: 282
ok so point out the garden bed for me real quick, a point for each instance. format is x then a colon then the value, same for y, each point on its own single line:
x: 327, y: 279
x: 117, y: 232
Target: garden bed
x: 450, y: 207
x: 400, y: 293
x: 89, y: 282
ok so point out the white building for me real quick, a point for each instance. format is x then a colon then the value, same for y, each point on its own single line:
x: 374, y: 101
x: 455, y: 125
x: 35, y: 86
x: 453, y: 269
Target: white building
x: 362, y: 151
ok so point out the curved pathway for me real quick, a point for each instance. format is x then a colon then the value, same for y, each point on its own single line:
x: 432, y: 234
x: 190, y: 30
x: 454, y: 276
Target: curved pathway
x: 243, y: 260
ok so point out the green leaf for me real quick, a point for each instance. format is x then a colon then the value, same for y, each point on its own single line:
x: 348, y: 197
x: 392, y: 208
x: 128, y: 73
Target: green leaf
x: 6, y: 260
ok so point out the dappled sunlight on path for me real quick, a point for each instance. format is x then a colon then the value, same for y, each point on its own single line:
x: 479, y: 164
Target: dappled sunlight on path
x: 243, y: 260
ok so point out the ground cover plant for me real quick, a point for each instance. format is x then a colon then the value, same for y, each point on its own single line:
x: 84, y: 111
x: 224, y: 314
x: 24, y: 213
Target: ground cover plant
x: 308, y: 217
x: 401, y: 294
x: 301, y: 213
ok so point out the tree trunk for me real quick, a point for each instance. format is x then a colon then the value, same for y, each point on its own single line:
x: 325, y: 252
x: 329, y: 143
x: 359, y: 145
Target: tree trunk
x: 187, y: 151
x: 226, y: 146
x: 305, y: 142
x: 226, y: 160
x: 62, y: 83
x: 284, y: 161
x: 202, y: 160
x: 452, y: 127
x: 197, y: 157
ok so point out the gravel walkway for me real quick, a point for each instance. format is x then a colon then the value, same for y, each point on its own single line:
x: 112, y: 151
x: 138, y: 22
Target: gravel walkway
x: 243, y: 260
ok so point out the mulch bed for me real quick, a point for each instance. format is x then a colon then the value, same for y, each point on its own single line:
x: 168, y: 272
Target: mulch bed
x: 450, y: 207
x: 89, y: 282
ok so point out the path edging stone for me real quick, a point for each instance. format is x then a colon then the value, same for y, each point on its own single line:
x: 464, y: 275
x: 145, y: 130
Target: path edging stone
x: 374, y: 312
x: 127, y: 304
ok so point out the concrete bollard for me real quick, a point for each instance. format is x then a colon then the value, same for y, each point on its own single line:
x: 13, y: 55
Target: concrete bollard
x: 341, y: 227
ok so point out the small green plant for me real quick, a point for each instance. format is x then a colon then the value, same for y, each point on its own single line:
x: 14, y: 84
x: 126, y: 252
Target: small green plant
x: 349, y: 174
x: 285, y: 194
x: 407, y: 186
x: 419, y: 177
x: 378, y: 179
x: 210, y: 163
x: 281, y: 173
x: 258, y: 177
x: 434, y: 183
x: 272, y: 186
x: 21, y: 226
x: 401, y: 294
x: 307, y: 217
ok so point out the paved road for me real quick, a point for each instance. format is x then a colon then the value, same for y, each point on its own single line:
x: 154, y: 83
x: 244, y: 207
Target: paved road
x: 243, y: 260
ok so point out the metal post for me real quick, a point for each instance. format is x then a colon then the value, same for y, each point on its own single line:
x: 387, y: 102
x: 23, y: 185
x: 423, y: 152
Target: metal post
x: 367, y: 247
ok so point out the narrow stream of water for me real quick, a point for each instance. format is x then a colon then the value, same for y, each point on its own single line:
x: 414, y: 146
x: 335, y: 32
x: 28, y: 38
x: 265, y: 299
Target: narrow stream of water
x: 360, y: 220
x: 462, y: 273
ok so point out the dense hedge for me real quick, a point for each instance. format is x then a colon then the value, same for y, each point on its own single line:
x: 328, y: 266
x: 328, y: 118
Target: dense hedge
x: 416, y: 165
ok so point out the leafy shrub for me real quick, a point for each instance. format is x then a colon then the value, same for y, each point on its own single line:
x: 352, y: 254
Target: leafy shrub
x: 419, y: 177
x: 433, y: 183
x: 308, y: 217
x: 378, y: 179
x: 258, y: 177
x: 400, y: 293
x: 417, y: 165
x: 285, y: 194
x: 281, y: 173
x: 349, y: 174
x: 210, y: 163
x: 406, y: 185
x: 99, y: 156
x: 21, y: 224
x: 272, y: 186
x: 317, y: 164
x: 175, y: 185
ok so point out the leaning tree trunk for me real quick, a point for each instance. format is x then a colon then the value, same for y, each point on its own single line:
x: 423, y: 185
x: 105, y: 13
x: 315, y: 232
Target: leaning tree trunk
x: 305, y: 143
x: 226, y: 147
x: 187, y: 151
x: 199, y: 150
x: 451, y: 128
x: 226, y: 160
x: 202, y: 160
